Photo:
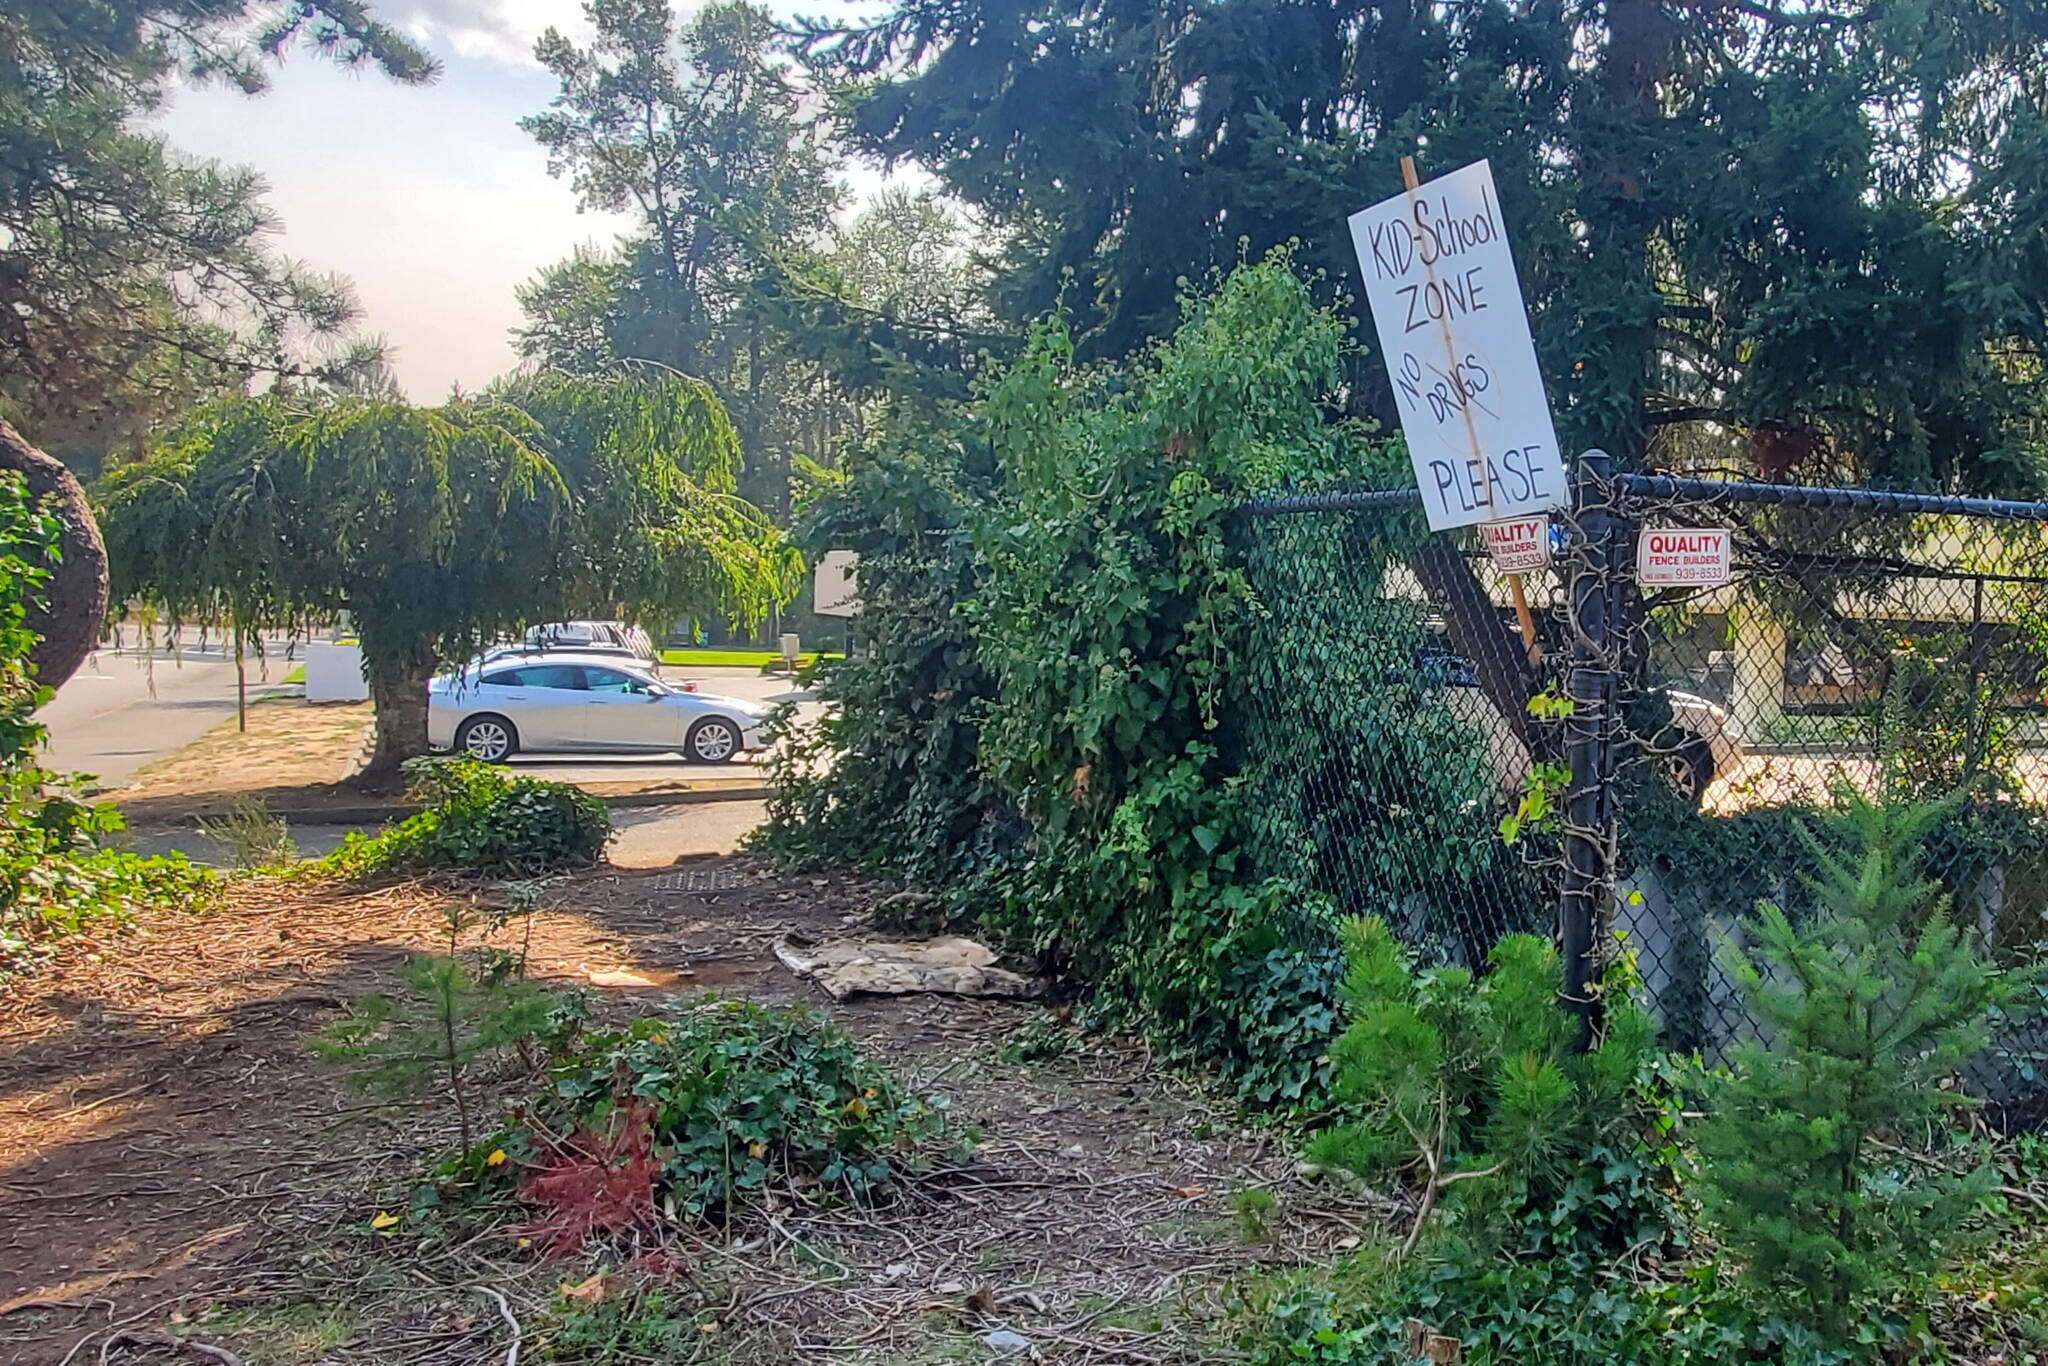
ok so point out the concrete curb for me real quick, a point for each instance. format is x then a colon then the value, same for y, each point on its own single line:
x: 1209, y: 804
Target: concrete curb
x: 377, y: 815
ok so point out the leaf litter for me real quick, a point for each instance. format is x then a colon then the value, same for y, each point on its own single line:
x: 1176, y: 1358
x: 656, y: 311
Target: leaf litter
x: 169, y: 1148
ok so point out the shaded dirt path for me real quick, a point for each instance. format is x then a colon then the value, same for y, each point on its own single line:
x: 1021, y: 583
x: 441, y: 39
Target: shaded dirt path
x: 171, y: 1156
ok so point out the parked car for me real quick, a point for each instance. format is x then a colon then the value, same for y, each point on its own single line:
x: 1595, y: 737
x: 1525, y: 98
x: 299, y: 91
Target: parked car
x: 563, y: 701
x: 586, y: 638
x: 1710, y: 744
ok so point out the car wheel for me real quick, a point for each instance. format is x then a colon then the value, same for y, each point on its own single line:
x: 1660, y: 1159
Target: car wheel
x: 1690, y: 769
x: 489, y: 738
x: 713, y: 741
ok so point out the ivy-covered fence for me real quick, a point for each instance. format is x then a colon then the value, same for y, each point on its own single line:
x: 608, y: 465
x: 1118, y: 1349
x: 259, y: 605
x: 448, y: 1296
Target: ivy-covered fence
x: 1144, y: 695
x: 1415, y: 720
x: 1378, y: 769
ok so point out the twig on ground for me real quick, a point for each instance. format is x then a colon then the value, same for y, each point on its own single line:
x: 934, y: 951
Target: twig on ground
x: 191, y: 1346
x: 512, y: 1349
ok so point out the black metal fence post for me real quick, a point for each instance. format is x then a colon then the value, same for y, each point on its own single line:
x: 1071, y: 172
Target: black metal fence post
x: 1589, y: 809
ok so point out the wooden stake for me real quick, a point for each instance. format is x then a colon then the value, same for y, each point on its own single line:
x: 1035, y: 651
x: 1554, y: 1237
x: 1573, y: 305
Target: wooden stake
x: 1523, y: 618
x: 241, y: 684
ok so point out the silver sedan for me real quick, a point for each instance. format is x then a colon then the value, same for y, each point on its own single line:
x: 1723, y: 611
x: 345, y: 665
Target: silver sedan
x: 565, y: 702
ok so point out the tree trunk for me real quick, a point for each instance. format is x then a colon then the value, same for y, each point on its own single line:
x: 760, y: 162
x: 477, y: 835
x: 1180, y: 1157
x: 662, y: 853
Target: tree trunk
x: 1477, y: 632
x: 399, y: 694
x: 1618, y: 203
x: 75, y: 599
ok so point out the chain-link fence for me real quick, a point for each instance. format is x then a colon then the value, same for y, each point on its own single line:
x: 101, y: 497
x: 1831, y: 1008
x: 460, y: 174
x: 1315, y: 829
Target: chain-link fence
x: 1379, y: 767
x: 1595, y: 749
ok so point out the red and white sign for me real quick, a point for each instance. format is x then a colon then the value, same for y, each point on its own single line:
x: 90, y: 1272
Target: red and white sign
x: 1518, y: 545
x: 1683, y: 557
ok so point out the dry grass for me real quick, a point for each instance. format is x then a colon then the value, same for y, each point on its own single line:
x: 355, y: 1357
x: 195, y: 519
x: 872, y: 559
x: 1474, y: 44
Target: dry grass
x: 289, y: 744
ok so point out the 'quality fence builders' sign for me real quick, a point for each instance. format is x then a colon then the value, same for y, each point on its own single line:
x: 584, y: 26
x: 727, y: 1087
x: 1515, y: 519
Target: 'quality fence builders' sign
x: 1451, y: 324
x: 1683, y: 557
x: 1518, y: 545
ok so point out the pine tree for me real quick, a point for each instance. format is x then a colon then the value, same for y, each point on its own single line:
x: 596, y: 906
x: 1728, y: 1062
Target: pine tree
x: 1459, y: 1080
x: 457, y: 1011
x: 1868, y: 1011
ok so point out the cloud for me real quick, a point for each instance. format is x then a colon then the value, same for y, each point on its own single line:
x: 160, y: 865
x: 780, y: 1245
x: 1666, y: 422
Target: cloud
x: 501, y: 31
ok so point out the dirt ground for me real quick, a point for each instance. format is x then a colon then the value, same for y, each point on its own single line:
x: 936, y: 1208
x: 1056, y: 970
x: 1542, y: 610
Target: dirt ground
x: 176, y: 1169
x: 290, y: 744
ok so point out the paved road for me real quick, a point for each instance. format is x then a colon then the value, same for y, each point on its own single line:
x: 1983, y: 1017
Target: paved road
x: 107, y: 721
x: 121, y: 711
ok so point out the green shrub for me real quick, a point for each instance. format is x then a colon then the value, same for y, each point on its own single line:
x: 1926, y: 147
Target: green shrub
x: 1044, y: 727
x: 58, y: 876
x: 1869, y: 1009
x: 1476, y: 1085
x: 1556, y: 1168
x: 889, y: 778
x: 743, y: 1099
x: 481, y: 819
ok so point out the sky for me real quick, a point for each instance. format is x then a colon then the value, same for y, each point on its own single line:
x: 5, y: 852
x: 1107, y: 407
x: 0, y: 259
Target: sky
x: 429, y: 197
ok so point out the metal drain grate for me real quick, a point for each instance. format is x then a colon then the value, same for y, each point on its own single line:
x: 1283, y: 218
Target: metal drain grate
x: 701, y: 880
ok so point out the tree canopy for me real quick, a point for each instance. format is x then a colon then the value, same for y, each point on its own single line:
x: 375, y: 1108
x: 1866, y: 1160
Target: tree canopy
x: 135, y: 281
x: 1815, y: 228
x: 438, y: 529
x: 736, y: 270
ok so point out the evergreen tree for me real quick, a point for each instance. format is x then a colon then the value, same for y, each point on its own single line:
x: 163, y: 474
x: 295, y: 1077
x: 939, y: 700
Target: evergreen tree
x: 1798, y: 229
x: 1868, y: 1011
x: 1460, y: 1079
x: 133, y: 281
x: 1803, y: 241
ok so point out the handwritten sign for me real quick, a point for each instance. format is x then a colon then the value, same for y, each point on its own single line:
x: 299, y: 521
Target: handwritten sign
x: 1518, y: 545
x: 1448, y: 308
x: 1683, y: 557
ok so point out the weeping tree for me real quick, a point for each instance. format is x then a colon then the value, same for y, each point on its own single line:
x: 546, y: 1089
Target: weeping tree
x: 439, y: 529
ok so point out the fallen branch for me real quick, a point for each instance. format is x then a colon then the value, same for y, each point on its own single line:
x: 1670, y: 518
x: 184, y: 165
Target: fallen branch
x: 512, y: 1348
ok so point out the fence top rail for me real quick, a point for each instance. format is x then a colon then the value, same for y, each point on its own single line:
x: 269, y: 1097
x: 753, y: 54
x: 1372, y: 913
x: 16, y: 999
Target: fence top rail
x: 1330, y: 502
x: 1664, y: 486
x: 1673, y: 488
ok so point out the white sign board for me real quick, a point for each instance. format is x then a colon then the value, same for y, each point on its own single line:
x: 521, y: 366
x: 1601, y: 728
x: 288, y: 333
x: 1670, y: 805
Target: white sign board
x: 834, y: 593
x: 1455, y: 335
x: 1519, y: 545
x: 1683, y: 557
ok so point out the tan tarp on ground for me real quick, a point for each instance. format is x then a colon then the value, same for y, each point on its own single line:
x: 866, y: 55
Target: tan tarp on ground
x: 951, y: 965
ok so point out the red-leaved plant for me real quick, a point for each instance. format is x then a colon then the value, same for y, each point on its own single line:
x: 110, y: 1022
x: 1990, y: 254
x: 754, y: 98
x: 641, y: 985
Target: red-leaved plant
x: 594, y: 1182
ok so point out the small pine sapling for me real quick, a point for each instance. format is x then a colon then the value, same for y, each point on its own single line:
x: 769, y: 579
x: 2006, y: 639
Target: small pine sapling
x: 1455, y: 1079
x: 454, y: 1014
x: 1869, y: 1010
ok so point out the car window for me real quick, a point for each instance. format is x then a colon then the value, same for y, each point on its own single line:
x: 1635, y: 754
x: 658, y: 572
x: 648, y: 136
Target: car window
x: 565, y: 677
x: 503, y: 678
x: 611, y: 680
